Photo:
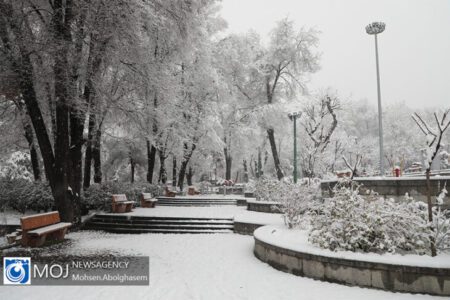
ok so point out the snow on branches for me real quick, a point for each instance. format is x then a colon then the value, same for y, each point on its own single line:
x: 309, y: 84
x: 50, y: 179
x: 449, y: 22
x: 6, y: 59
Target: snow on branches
x: 294, y: 200
x: 433, y: 135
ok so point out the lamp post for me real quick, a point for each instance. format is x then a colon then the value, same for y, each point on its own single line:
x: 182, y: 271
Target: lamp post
x: 293, y: 116
x: 374, y: 29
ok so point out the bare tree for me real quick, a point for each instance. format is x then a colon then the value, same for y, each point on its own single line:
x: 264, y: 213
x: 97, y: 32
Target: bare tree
x: 319, y: 121
x: 433, y: 144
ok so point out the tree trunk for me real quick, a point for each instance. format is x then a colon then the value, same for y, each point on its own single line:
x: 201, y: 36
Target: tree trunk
x: 228, y: 162
x: 96, y: 156
x: 430, y: 212
x: 276, y: 159
x: 162, y: 168
x: 133, y: 165
x: 88, y: 152
x: 245, y: 171
x: 174, y: 171
x: 189, y: 176
x: 151, y: 157
x: 186, y: 157
x: 29, y: 136
x: 76, y: 157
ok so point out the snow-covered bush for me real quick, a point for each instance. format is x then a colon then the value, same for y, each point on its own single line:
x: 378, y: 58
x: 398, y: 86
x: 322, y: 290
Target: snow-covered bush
x: 250, y: 186
x: 98, y: 196
x: 204, y: 186
x: 441, y: 223
x: 296, y: 201
x: 267, y: 189
x: 22, y: 194
x: 349, y: 222
x: 17, y: 166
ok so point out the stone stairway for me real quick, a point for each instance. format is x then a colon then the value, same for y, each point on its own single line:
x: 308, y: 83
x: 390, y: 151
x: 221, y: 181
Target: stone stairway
x: 192, y: 201
x: 141, y: 224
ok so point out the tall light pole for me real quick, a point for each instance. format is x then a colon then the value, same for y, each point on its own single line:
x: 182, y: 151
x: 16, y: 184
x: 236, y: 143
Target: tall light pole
x: 374, y: 29
x: 293, y: 116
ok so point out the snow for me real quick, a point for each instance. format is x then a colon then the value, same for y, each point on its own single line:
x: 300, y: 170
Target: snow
x: 297, y: 240
x: 183, y: 266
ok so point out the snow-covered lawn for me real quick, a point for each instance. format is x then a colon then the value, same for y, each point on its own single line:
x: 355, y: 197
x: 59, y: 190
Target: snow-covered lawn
x: 216, y: 266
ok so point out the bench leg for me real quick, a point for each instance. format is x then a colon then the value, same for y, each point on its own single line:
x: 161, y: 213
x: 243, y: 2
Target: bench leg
x: 58, y: 235
x: 119, y: 208
x: 33, y: 241
x: 128, y: 207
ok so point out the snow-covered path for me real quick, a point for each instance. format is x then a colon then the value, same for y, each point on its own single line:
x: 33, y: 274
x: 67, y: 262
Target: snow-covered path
x: 220, y: 266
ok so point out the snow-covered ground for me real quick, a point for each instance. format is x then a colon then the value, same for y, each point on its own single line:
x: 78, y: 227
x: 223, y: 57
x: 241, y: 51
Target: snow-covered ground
x: 297, y: 240
x: 220, y: 266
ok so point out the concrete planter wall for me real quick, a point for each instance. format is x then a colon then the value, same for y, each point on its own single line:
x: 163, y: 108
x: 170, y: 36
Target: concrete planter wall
x: 261, y: 206
x: 245, y: 228
x: 435, y: 281
x: 396, y: 188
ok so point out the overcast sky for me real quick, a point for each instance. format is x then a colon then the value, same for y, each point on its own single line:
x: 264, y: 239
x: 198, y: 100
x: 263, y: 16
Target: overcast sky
x: 414, y: 49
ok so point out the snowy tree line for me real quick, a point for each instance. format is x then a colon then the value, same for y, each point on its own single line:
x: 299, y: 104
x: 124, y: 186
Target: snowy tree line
x: 156, y: 91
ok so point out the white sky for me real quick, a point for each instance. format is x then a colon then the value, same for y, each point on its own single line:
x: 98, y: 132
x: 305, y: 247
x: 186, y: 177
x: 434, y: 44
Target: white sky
x: 414, y: 49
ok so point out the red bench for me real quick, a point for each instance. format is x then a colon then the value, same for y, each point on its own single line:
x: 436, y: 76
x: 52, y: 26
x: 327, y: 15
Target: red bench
x: 192, y: 191
x: 36, y: 229
x: 120, y: 204
x: 170, y: 193
x: 147, y: 200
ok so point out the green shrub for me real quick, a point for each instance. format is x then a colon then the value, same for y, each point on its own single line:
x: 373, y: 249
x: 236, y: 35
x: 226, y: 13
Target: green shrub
x: 98, y: 196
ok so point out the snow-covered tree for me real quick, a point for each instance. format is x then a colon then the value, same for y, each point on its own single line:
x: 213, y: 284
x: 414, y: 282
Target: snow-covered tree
x: 433, y: 139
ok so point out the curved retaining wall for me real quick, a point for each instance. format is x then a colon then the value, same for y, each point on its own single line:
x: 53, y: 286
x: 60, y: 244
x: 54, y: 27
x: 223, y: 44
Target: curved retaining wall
x: 399, y: 278
x: 261, y: 206
x: 395, y: 187
x: 245, y: 228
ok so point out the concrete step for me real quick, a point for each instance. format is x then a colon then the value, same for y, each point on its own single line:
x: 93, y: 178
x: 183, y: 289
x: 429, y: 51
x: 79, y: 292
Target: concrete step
x: 172, y: 231
x: 195, y: 204
x: 162, y: 222
x: 166, y: 226
x: 143, y: 224
x: 150, y: 218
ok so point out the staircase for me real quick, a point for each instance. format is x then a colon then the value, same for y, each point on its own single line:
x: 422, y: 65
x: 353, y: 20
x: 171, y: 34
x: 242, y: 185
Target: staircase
x: 141, y: 224
x: 192, y: 201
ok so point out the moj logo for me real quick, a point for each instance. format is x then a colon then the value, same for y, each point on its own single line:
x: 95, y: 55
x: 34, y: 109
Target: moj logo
x: 16, y: 270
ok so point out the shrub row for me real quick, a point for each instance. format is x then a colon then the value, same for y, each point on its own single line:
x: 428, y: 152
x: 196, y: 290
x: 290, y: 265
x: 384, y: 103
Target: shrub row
x: 23, y: 195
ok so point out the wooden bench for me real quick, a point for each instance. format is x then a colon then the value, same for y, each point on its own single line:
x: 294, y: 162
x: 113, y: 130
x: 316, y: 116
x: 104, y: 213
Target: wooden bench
x: 36, y: 229
x: 170, y: 193
x: 147, y: 200
x: 192, y: 191
x: 120, y: 204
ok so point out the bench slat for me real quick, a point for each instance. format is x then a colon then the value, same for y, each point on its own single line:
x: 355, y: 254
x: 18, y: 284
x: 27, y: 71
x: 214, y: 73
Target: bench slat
x: 49, y: 229
x: 40, y: 220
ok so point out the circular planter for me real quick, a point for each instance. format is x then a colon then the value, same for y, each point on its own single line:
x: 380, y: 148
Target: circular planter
x: 386, y: 276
